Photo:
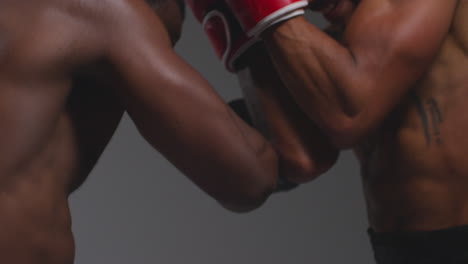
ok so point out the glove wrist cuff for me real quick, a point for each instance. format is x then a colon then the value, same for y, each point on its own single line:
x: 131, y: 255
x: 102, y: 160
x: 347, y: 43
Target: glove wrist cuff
x: 285, y: 13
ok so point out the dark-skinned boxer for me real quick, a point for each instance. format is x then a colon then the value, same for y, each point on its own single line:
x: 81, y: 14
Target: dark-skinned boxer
x: 68, y: 71
x: 391, y: 84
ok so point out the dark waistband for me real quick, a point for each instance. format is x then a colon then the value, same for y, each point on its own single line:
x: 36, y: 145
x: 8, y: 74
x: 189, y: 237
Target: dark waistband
x: 445, y: 241
x: 457, y: 234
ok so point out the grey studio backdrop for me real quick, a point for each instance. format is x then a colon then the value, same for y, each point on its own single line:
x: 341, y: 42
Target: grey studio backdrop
x: 137, y: 208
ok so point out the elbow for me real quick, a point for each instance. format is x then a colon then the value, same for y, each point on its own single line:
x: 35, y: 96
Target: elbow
x: 346, y: 133
x: 248, y: 198
x: 303, y: 167
x: 345, y: 143
x: 307, y: 161
x: 255, y: 188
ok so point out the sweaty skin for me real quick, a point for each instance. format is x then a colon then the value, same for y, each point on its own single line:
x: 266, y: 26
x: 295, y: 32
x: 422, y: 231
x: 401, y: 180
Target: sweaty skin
x: 68, y: 70
x: 394, y: 87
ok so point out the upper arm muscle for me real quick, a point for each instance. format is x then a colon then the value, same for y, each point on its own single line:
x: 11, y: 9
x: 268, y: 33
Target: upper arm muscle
x: 393, y: 42
x: 178, y: 112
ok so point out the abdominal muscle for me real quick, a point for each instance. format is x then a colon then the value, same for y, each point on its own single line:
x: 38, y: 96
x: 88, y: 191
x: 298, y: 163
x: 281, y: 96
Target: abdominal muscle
x: 35, y: 220
x: 415, y: 167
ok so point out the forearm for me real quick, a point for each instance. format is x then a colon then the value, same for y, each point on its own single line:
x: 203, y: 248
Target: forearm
x: 182, y: 116
x: 194, y: 129
x: 320, y: 73
x: 349, y: 87
x: 304, y: 152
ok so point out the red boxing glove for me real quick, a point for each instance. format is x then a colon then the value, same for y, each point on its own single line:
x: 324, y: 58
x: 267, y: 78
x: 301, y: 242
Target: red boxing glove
x: 224, y: 32
x: 256, y: 16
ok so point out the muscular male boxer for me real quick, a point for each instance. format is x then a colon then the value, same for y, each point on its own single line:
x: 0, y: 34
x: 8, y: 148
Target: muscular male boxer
x: 68, y: 70
x: 393, y: 86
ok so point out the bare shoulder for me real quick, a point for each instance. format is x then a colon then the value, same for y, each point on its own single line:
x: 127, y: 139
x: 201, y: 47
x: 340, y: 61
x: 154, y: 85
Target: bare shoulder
x: 51, y: 33
x: 124, y: 26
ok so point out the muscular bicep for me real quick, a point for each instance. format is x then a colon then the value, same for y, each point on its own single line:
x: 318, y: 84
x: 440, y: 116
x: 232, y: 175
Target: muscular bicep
x: 181, y: 116
x: 349, y: 86
x: 156, y: 81
x: 392, y: 43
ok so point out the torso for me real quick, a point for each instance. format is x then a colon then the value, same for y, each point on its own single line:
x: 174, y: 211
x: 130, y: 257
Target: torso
x: 415, y: 167
x: 56, y: 119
